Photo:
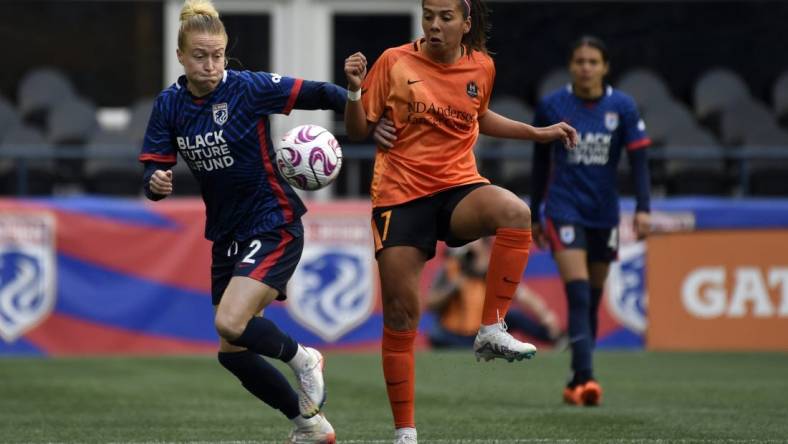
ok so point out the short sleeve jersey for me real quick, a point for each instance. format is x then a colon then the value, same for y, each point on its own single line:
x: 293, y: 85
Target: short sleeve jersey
x: 582, y: 186
x: 225, y: 140
x: 435, y: 109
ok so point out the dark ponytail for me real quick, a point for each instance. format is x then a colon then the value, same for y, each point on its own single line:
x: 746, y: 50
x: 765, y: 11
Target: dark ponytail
x: 476, y: 38
x: 594, y: 42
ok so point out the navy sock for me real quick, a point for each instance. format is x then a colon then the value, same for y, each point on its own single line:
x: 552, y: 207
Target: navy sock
x: 262, y: 380
x: 263, y: 337
x: 579, y: 296
x: 596, y: 298
x: 519, y: 321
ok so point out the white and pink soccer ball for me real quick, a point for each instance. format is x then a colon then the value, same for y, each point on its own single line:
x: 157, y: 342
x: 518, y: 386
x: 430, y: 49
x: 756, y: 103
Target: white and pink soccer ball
x: 308, y: 157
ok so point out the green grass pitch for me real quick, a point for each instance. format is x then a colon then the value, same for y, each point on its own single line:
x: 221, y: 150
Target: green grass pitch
x: 649, y: 398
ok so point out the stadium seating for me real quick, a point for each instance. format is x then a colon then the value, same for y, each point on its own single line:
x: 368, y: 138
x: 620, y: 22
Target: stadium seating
x: 38, y: 91
x: 70, y: 125
x: 767, y: 175
x: 742, y: 119
x: 140, y: 114
x: 8, y: 116
x: 508, y: 162
x: 728, y: 141
x: 646, y: 87
x: 714, y: 91
x: 37, y: 177
x: 111, y: 165
x: 780, y: 98
x: 557, y: 78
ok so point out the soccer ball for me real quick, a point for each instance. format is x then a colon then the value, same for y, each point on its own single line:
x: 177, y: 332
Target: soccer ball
x: 308, y: 157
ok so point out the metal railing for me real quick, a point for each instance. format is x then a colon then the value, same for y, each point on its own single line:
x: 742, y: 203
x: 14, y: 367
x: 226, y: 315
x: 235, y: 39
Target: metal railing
x: 354, y: 155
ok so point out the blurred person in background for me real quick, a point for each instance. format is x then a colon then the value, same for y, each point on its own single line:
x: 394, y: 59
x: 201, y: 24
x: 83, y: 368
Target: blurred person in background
x: 218, y: 120
x: 578, y: 188
x: 426, y: 186
x: 457, y: 298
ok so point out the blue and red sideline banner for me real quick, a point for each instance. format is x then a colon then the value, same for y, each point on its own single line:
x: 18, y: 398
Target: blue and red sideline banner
x: 114, y: 276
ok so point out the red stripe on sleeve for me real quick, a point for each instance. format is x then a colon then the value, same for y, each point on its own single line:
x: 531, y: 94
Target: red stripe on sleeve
x: 268, y: 164
x: 293, y: 96
x: 163, y: 158
x: 638, y: 144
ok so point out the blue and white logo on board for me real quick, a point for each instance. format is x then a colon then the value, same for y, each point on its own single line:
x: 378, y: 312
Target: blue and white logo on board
x: 611, y: 121
x: 331, y: 290
x: 220, y: 113
x: 27, y: 272
x: 627, y: 298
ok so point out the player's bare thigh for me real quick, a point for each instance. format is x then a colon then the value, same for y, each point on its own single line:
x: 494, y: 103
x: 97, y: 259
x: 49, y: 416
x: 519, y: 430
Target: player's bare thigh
x: 243, y: 298
x: 486, y: 209
x: 572, y: 264
x: 400, y: 271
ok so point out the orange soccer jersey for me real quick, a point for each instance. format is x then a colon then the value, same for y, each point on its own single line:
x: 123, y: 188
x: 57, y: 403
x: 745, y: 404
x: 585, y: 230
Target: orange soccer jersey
x: 435, y: 109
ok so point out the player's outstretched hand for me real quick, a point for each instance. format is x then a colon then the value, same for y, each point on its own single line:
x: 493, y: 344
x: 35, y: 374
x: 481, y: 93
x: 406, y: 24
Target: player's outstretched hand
x: 355, y: 70
x: 161, y: 182
x: 385, y: 134
x: 560, y: 131
x: 538, y: 236
x: 642, y: 224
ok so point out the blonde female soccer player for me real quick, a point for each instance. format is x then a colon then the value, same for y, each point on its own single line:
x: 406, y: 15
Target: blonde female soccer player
x: 217, y: 119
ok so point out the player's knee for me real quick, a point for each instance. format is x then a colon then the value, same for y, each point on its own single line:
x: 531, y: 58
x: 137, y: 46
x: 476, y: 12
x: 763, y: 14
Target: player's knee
x: 229, y: 327
x: 399, y: 316
x: 515, y: 215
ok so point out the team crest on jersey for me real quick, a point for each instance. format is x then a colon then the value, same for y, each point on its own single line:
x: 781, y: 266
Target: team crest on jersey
x: 611, y: 121
x: 331, y: 290
x: 567, y: 234
x: 27, y: 272
x: 220, y: 113
x: 472, y: 89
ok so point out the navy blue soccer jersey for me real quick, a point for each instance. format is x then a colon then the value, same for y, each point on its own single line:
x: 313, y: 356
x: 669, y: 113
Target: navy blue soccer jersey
x: 582, y: 183
x: 225, y: 140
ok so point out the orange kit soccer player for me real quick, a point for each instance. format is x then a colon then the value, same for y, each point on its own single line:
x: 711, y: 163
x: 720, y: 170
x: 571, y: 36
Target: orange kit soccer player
x: 426, y: 186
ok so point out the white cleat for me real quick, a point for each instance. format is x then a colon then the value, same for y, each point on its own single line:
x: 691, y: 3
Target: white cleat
x: 319, y: 431
x: 405, y: 436
x: 496, y: 342
x: 311, y: 387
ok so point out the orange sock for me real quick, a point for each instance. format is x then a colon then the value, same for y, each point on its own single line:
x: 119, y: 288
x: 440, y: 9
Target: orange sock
x: 508, y: 259
x: 399, y: 372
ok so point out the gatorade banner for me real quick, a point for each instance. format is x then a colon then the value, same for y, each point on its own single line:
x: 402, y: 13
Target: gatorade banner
x: 718, y: 290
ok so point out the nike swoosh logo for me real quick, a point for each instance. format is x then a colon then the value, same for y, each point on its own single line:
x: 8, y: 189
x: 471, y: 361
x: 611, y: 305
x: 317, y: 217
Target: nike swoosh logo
x: 506, y: 279
x: 411, y: 82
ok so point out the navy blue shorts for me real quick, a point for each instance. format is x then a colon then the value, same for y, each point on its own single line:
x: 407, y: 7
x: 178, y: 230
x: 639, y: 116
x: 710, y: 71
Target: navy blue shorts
x: 420, y: 223
x: 601, y: 244
x: 270, y: 258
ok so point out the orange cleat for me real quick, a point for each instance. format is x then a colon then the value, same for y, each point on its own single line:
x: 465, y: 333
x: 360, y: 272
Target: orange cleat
x: 573, y: 395
x: 591, y: 393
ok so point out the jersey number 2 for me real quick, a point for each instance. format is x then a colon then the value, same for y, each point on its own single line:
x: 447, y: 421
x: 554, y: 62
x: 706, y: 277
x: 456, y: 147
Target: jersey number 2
x: 255, y: 245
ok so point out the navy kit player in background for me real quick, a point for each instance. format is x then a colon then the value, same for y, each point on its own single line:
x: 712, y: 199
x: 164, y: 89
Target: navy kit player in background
x: 217, y: 119
x: 580, y: 196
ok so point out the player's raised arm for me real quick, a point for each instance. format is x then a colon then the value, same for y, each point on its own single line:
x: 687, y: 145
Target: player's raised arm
x: 355, y: 117
x: 321, y: 95
x: 496, y: 125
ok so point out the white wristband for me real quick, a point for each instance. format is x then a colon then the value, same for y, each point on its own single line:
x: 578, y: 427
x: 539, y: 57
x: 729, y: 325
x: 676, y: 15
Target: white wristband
x: 354, y: 96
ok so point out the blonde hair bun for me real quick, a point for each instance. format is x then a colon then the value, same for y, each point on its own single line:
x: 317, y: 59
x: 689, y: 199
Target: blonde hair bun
x: 194, y: 8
